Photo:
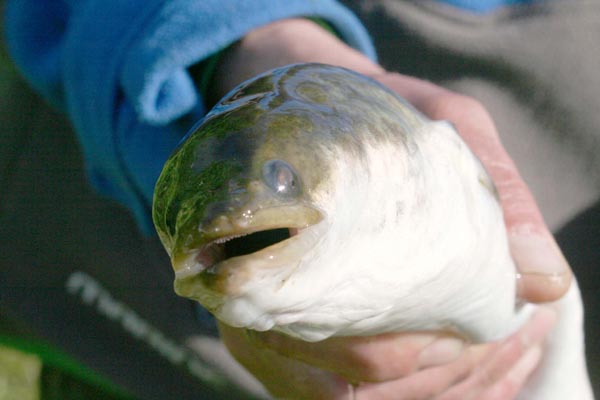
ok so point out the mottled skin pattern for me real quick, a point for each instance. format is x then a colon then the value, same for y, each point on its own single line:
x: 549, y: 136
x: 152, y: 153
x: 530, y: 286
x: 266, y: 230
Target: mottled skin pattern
x: 298, y: 114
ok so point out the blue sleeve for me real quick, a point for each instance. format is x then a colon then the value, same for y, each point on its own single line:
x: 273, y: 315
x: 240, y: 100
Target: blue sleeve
x: 119, y: 69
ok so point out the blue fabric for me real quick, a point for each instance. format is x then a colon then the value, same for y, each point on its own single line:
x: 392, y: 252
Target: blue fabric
x: 34, y: 31
x: 483, y: 6
x: 118, y: 67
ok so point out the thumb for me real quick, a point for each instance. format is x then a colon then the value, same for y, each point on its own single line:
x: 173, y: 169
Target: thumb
x: 544, y: 274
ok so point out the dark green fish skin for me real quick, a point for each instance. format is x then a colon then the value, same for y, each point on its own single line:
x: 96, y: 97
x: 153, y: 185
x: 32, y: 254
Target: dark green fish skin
x: 296, y: 113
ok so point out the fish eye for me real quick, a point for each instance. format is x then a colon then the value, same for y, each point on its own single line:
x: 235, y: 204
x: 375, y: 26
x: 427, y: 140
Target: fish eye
x: 281, y: 178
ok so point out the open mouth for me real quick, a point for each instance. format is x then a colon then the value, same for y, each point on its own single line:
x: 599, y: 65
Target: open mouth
x: 227, y: 247
x: 273, y: 237
x: 253, y: 242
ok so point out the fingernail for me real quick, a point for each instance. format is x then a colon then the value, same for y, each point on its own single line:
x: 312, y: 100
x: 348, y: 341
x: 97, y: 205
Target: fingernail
x: 543, y: 274
x: 537, y: 254
x: 441, y: 351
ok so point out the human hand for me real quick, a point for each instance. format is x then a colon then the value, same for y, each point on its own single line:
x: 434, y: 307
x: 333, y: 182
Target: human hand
x: 389, y: 364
